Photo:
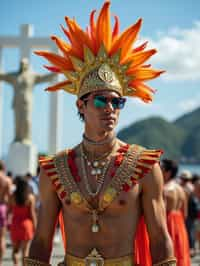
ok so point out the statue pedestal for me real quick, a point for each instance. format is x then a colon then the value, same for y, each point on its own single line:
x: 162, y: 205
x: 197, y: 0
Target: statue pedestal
x: 22, y: 158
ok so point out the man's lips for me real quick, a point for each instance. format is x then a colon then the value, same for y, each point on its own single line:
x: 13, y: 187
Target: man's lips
x: 108, y: 118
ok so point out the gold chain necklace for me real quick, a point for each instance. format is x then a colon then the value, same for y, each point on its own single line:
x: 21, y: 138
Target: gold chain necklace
x: 95, y: 225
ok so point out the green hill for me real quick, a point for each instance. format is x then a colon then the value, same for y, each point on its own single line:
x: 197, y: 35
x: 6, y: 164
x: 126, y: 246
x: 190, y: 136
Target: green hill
x: 189, y: 121
x: 191, y: 145
x: 179, y: 139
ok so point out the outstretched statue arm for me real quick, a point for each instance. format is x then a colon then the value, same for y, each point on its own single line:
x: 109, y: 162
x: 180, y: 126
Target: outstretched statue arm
x: 44, y: 78
x: 7, y: 77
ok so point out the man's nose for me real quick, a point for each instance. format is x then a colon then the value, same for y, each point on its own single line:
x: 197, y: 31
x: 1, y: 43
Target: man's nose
x: 109, y: 106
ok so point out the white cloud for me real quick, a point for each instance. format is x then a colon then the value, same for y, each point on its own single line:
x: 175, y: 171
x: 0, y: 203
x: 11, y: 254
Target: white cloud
x: 188, y: 105
x: 153, y: 106
x: 178, y: 53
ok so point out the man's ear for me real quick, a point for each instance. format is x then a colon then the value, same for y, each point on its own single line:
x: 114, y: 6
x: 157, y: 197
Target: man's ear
x: 80, y: 105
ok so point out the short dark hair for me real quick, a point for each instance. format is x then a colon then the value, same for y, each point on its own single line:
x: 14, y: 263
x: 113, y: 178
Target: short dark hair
x: 195, y: 178
x: 82, y: 98
x: 170, y: 165
x: 2, y: 166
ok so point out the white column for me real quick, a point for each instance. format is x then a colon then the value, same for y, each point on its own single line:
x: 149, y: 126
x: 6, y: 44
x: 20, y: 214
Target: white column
x: 26, y: 33
x: 55, y: 123
x: 1, y: 109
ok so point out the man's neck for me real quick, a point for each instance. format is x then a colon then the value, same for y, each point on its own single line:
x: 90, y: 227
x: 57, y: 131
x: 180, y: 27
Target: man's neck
x: 96, y: 145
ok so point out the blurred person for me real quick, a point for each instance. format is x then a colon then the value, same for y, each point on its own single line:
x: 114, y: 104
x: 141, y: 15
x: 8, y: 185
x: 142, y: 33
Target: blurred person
x: 176, y: 206
x: 185, y: 178
x: 23, y: 219
x: 33, y: 186
x: 195, y: 178
x: 5, y: 192
x: 193, y: 206
x: 10, y: 174
x: 196, y: 182
x: 36, y: 177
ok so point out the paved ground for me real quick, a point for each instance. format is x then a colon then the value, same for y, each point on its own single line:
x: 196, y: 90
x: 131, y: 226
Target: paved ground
x: 57, y: 256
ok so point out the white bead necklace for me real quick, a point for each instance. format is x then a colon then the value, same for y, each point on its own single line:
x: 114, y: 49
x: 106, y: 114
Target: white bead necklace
x: 100, y: 180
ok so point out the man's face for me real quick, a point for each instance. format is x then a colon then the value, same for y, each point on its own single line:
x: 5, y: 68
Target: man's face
x: 101, y: 110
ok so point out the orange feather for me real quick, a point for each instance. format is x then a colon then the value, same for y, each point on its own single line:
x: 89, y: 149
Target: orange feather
x: 103, y: 28
x: 58, y: 86
x: 126, y: 39
x: 57, y: 60
x: 144, y: 73
x: 138, y: 58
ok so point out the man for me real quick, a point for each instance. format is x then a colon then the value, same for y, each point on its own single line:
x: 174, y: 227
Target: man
x: 5, y: 191
x: 193, y: 207
x: 196, y: 182
x: 32, y: 184
x: 23, y: 82
x: 176, y: 205
x: 102, y: 186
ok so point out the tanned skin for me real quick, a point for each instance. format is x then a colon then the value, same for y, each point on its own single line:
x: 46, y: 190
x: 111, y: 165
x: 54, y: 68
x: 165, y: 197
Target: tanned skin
x: 119, y: 221
x: 175, y: 196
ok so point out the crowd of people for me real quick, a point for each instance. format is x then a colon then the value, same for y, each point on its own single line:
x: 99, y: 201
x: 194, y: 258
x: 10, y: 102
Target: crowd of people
x: 19, y: 204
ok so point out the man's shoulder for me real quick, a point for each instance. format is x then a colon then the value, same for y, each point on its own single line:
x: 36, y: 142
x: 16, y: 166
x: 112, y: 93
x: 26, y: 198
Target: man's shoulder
x: 63, y: 152
x: 147, y: 152
x: 4, y: 179
x: 51, y: 157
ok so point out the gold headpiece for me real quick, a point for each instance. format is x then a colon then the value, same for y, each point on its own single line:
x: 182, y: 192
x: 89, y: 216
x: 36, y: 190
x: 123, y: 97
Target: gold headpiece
x: 100, y: 58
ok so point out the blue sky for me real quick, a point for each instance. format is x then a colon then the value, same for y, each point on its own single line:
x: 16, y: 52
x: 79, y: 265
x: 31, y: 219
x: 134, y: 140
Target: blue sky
x: 172, y: 27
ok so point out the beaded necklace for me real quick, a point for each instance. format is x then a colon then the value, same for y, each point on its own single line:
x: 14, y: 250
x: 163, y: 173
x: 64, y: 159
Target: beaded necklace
x: 97, y: 143
x: 97, y: 164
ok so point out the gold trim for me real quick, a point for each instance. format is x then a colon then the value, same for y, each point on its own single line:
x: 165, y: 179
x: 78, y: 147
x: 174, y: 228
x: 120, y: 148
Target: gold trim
x: 32, y: 262
x: 167, y: 262
x: 94, y: 258
x: 86, y: 79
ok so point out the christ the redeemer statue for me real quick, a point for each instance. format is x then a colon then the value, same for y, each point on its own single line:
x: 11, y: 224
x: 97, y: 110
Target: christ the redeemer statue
x: 23, y: 83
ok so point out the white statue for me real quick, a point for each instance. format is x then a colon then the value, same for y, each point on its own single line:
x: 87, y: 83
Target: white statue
x: 23, y: 82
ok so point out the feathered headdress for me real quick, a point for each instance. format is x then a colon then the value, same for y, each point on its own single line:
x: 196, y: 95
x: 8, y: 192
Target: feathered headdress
x: 102, y: 58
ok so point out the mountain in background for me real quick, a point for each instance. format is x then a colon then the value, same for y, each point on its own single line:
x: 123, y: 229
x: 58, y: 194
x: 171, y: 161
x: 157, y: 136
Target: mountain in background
x: 180, y: 139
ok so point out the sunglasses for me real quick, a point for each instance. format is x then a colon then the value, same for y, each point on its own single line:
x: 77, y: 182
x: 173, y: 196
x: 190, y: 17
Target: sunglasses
x: 101, y: 101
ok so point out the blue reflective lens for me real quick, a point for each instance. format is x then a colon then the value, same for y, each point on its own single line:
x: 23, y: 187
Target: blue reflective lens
x: 101, y: 101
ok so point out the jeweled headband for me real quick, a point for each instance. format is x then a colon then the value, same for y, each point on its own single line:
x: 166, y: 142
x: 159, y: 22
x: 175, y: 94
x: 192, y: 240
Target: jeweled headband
x: 102, y: 58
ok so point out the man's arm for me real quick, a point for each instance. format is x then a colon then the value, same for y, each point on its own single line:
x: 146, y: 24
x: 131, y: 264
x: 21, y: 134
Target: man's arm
x: 41, y: 246
x: 44, y: 78
x: 155, y: 216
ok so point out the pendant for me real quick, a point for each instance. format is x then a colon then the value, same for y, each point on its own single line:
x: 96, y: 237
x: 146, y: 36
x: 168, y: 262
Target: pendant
x: 99, y: 172
x: 95, y: 163
x: 93, y: 172
x: 95, y: 228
